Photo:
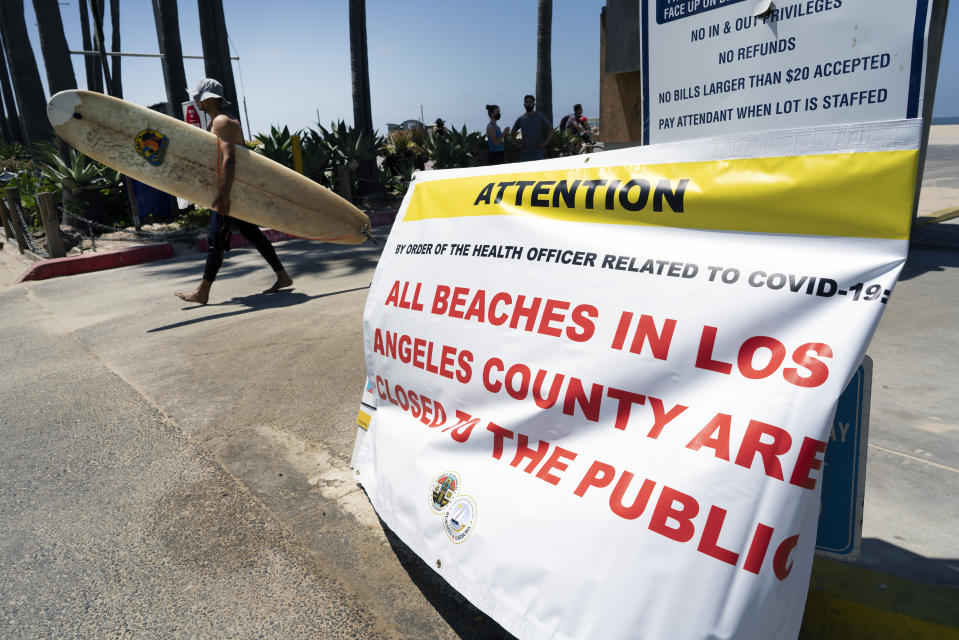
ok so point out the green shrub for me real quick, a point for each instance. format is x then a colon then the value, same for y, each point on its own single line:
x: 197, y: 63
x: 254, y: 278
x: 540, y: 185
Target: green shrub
x: 563, y: 143
x: 458, y: 148
x: 92, y: 190
x: 277, y: 145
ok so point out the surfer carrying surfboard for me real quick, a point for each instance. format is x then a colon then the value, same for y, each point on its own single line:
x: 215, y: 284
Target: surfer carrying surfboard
x: 208, y: 94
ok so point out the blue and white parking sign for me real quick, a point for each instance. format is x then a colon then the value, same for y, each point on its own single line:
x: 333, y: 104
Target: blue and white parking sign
x: 844, y: 469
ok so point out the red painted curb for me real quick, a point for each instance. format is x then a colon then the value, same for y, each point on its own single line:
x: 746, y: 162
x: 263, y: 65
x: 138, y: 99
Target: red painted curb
x: 72, y: 265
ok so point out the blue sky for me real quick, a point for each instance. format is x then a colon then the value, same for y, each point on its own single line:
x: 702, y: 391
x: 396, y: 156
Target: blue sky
x: 449, y: 57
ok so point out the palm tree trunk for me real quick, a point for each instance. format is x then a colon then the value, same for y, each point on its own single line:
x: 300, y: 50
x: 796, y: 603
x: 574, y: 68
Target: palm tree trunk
x: 4, y: 129
x: 100, y: 42
x: 27, y: 87
x: 360, y: 75
x: 53, y: 45
x: 56, y: 55
x: 90, y: 63
x: 216, y: 47
x: 115, y: 47
x: 544, y: 65
x: 168, y: 36
x: 12, y: 120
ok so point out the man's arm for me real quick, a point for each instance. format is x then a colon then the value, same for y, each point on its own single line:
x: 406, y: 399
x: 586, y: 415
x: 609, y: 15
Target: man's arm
x: 227, y: 131
x: 549, y: 131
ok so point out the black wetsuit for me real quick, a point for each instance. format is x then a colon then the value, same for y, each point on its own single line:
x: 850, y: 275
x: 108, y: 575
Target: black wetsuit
x: 218, y: 241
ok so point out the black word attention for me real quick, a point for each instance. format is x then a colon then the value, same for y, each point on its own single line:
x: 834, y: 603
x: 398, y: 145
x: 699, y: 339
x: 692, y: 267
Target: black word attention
x: 586, y: 194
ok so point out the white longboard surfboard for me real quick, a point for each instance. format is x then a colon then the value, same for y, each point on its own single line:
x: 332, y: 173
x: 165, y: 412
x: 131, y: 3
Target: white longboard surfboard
x: 181, y: 159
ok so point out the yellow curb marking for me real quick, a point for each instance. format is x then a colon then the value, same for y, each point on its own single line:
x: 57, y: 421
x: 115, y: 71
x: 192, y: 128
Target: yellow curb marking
x: 938, y: 216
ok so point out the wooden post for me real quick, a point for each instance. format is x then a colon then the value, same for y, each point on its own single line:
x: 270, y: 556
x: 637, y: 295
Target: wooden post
x: 131, y: 199
x: 51, y: 225
x: 13, y: 203
x: 297, y: 153
x: 343, y: 182
x: 5, y: 219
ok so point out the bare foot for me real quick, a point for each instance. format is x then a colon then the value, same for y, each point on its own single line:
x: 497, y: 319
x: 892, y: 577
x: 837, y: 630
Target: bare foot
x: 283, y: 281
x: 200, y: 295
x: 193, y: 296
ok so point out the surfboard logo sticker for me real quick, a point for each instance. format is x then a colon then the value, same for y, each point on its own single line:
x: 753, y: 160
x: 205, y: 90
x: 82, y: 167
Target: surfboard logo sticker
x: 151, y: 145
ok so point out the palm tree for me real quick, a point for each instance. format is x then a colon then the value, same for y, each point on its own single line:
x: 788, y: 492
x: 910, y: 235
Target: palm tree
x: 216, y: 46
x: 544, y: 66
x: 115, y: 47
x: 53, y: 45
x: 27, y: 86
x: 97, y: 7
x: 4, y: 129
x: 360, y: 72
x: 90, y: 63
x: 56, y: 54
x: 12, y: 119
x: 168, y: 36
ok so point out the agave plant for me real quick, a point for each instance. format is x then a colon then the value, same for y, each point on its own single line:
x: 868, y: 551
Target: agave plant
x: 317, y: 157
x: 13, y: 151
x: 80, y: 173
x: 395, y: 176
x: 277, y: 145
x: 349, y: 147
x: 90, y: 188
x: 458, y: 148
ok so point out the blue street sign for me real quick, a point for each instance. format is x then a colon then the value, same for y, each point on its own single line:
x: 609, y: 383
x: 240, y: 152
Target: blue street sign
x: 844, y: 469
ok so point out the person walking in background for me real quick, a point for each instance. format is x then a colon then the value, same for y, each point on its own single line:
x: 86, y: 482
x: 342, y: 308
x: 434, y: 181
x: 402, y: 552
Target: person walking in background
x: 536, y: 130
x: 208, y: 94
x: 495, y: 136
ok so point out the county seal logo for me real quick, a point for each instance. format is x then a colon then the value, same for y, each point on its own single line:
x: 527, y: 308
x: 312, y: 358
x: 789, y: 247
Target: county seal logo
x: 459, y: 518
x: 442, y: 490
x: 151, y: 145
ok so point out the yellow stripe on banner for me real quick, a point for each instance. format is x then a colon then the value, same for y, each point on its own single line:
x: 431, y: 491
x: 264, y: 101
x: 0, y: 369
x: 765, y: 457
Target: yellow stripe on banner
x: 867, y: 195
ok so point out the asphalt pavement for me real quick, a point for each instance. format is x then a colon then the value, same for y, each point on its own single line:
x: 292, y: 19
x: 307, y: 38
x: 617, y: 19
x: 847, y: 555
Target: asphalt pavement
x: 177, y: 471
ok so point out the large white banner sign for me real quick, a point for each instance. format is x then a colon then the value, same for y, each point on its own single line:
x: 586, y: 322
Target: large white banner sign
x: 605, y: 384
x: 711, y: 67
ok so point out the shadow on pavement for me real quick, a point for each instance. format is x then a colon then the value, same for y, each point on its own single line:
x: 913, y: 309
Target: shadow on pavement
x: 465, y: 619
x: 255, y: 302
x: 921, y: 260
x: 884, y: 556
x: 300, y: 257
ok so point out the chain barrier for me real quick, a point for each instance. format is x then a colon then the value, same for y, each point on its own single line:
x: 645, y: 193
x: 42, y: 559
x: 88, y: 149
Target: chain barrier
x: 28, y: 236
x: 92, y: 226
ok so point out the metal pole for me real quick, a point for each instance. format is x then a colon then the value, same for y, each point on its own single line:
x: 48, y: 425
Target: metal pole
x: 937, y: 29
x: 137, y: 55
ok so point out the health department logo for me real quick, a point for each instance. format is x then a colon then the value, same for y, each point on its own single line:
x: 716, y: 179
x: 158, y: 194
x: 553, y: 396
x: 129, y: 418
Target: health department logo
x: 151, y: 145
x: 459, y: 518
x: 442, y: 490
